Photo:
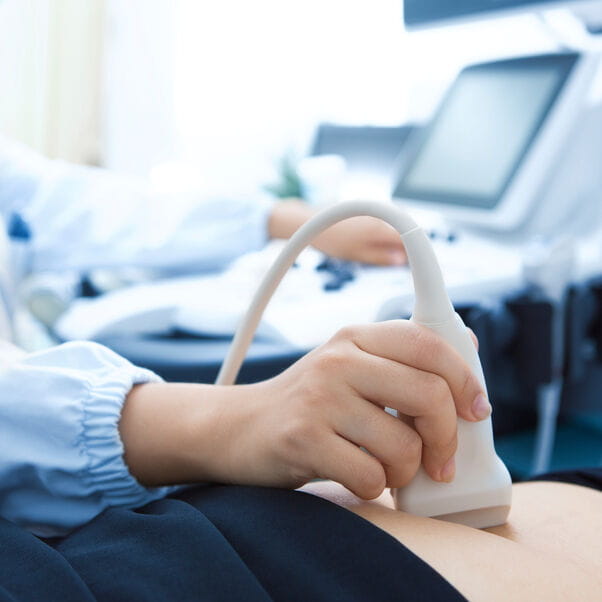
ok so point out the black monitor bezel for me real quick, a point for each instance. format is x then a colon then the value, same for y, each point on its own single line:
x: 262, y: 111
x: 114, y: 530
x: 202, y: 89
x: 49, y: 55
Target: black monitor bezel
x: 565, y: 62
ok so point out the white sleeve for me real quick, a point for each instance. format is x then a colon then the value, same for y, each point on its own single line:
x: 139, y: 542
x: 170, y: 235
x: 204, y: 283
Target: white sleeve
x: 83, y: 218
x: 61, y: 457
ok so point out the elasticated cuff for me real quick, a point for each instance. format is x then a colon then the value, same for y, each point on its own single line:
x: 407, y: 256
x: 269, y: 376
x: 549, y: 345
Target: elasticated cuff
x: 106, y: 473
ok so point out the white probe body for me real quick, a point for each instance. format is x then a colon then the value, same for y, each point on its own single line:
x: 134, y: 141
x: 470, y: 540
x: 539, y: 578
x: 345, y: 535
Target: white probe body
x: 480, y: 494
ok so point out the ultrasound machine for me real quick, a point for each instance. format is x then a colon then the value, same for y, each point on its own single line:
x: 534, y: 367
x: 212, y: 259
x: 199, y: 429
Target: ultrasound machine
x: 511, y: 151
x: 513, y: 156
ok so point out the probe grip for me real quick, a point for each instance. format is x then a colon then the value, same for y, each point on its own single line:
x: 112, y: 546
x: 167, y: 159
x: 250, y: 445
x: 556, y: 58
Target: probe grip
x: 480, y: 495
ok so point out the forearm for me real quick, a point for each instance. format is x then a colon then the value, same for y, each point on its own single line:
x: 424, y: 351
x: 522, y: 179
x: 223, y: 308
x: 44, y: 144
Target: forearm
x: 364, y: 239
x: 173, y: 433
x: 287, y: 217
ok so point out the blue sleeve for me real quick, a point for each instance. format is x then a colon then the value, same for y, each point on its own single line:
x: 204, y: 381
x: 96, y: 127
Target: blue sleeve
x: 61, y: 457
x: 83, y: 218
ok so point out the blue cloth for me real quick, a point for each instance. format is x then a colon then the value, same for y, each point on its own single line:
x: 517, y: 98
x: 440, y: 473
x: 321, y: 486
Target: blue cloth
x: 586, y: 477
x: 83, y: 218
x: 220, y: 543
x: 61, y: 457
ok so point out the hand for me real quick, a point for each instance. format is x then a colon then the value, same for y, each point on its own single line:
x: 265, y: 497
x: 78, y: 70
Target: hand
x: 363, y: 239
x: 311, y: 420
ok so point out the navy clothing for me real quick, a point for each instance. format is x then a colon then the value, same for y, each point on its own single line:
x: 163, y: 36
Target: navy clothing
x: 586, y: 477
x: 219, y: 543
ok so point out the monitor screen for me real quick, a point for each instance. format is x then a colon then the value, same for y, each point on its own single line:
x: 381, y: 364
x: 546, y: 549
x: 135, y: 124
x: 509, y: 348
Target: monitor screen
x: 424, y: 13
x: 483, y: 129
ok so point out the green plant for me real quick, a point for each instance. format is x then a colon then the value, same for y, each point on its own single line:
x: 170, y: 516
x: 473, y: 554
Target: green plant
x: 288, y: 183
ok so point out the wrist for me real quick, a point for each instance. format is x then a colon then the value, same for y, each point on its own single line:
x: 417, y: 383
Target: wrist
x: 219, y: 426
x: 183, y: 433
x: 287, y: 217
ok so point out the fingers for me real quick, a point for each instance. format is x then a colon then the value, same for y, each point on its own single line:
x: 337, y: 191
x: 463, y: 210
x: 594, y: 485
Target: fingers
x: 364, y: 239
x: 473, y: 336
x: 422, y: 395
x: 362, y: 370
x: 397, y: 446
x: 382, y: 245
x: 345, y: 463
x: 410, y: 344
x: 383, y: 255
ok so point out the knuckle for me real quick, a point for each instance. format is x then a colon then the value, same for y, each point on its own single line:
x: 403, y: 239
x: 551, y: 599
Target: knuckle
x: 436, y: 392
x: 403, y: 474
x: 331, y: 359
x: 347, y: 333
x: 298, y: 434
x: 372, y: 422
x: 427, y: 344
x: 412, y: 447
x: 408, y: 463
x: 426, y: 347
x: 311, y: 395
x: 370, y: 480
x: 407, y: 460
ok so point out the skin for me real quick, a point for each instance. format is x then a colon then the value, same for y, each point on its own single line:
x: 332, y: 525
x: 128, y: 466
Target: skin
x: 550, y: 548
x: 363, y: 239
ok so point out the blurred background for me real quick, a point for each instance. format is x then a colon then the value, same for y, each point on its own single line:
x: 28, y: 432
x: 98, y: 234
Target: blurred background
x: 220, y: 91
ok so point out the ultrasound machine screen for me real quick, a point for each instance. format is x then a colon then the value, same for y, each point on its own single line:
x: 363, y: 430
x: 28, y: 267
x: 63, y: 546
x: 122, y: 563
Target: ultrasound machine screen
x: 475, y: 143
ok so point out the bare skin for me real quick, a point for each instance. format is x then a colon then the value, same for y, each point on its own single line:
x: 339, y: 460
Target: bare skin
x: 363, y: 239
x: 550, y: 548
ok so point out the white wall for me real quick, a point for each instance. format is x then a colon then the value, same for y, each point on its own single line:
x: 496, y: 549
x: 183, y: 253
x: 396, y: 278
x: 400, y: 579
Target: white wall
x: 226, y: 88
x: 247, y: 80
x: 253, y: 79
x: 138, y: 129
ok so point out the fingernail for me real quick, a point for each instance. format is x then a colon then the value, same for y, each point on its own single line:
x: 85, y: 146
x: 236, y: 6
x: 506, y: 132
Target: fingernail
x: 481, y: 408
x: 448, y: 472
